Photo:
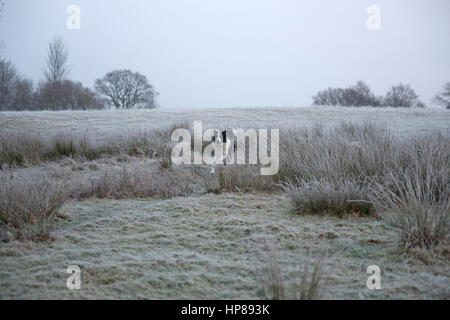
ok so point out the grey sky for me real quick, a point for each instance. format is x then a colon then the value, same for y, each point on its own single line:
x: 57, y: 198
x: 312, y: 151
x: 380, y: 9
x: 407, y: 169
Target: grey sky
x: 217, y: 53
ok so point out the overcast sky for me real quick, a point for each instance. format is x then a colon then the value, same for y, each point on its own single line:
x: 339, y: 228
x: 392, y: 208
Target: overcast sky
x: 218, y: 53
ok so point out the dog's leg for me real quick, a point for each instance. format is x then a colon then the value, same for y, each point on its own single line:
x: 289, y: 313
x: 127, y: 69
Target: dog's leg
x: 227, y: 151
x: 213, y: 164
x: 219, y: 156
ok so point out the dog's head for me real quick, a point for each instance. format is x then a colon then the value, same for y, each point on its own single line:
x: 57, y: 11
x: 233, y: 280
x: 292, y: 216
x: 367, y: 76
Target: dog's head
x: 218, y: 136
x: 222, y: 136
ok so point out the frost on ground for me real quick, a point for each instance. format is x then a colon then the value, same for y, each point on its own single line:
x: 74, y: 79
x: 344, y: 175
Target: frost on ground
x: 208, y: 247
x: 403, y: 120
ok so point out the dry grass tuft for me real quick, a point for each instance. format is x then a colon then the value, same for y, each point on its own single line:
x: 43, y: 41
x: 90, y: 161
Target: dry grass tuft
x: 238, y: 178
x: 19, y: 148
x: 353, y: 167
x: 343, y: 152
x: 123, y: 183
x: 309, y: 283
x: 415, y: 205
x: 320, y: 196
x: 28, y: 207
x: 414, y: 196
x: 23, y: 148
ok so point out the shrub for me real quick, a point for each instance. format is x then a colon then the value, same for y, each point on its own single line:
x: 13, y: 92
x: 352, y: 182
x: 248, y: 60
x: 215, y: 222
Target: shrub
x: 421, y: 217
x: 415, y: 197
x: 320, y: 196
x: 347, y: 151
x: 28, y: 206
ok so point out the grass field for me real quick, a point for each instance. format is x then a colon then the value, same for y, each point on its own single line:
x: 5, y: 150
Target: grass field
x: 157, y: 243
x: 402, y: 120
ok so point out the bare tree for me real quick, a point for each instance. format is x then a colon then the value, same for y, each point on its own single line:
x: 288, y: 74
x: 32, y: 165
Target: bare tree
x: 8, y: 77
x: 56, y: 63
x: 16, y: 93
x: 355, y: 96
x: 124, y: 89
x: 402, y: 96
x: 23, y: 95
x: 443, y: 98
x: 66, y: 95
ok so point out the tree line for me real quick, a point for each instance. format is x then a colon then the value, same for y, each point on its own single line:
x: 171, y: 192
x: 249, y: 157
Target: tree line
x: 360, y: 95
x: 121, y: 89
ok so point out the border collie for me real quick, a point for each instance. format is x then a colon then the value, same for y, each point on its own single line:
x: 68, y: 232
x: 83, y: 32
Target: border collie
x: 221, y: 140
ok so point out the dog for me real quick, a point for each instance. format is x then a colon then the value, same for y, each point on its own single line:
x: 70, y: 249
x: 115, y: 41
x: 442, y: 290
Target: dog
x: 222, y: 140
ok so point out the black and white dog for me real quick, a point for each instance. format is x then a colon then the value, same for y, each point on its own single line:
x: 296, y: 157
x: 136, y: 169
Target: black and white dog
x: 221, y: 140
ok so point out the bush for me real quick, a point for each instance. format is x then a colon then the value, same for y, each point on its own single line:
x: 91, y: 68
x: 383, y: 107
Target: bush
x: 320, y: 196
x: 28, y: 207
x: 347, y: 151
x: 403, y: 180
x: 415, y: 197
x: 411, y: 207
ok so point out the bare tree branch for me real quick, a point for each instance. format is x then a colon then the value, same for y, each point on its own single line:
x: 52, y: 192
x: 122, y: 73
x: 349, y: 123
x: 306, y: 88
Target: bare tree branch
x: 57, y: 60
